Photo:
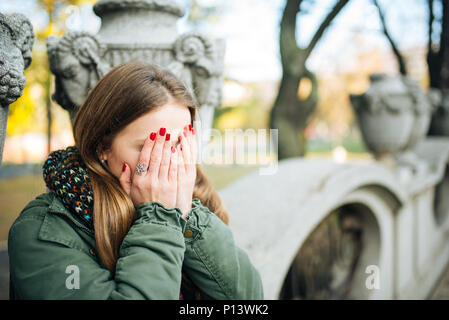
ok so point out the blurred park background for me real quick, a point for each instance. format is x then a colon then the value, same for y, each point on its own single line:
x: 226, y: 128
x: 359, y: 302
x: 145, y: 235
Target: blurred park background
x: 356, y: 43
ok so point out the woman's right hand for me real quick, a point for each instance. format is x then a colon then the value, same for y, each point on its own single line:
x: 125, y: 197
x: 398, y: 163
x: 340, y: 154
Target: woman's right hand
x: 159, y: 182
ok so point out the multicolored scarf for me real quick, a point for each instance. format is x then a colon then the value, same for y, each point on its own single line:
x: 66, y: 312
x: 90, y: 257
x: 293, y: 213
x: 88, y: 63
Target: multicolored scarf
x: 67, y: 176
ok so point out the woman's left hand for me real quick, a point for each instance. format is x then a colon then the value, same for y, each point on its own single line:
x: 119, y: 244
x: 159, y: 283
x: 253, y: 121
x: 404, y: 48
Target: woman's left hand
x: 187, y: 157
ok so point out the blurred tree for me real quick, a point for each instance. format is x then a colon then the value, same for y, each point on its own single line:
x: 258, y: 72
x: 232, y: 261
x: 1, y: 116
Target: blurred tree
x: 297, y: 96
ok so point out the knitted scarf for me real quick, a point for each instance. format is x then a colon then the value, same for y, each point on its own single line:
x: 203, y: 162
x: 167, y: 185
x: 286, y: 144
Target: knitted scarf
x: 67, y: 176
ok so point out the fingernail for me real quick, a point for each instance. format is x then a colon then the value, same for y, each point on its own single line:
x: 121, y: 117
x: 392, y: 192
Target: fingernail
x: 153, y: 136
x: 167, y: 137
x: 193, y: 130
x: 124, y: 167
x: 190, y: 127
x: 185, y: 134
x: 181, y: 147
x: 173, y: 149
x: 162, y: 131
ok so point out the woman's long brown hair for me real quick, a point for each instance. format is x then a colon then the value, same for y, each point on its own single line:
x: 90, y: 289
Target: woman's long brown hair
x: 121, y: 96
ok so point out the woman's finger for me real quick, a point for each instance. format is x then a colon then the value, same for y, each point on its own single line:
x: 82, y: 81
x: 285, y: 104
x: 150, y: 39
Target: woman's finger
x: 193, y: 145
x: 144, y: 157
x: 185, y: 143
x: 125, y: 178
x: 156, y: 154
x: 173, y: 170
x: 181, y: 165
x: 165, y: 160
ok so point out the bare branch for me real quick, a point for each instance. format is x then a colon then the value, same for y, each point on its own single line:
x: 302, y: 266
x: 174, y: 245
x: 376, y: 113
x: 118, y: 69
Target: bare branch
x: 431, y: 19
x: 394, y: 47
x: 335, y: 10
x: 444, y: 36
x: 444, y: 46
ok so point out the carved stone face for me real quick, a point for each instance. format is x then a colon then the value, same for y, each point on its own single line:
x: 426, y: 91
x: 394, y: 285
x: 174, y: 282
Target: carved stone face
x: 204, y: 61
x: 25, y: 42
x: 207, y: 86
x: 12, y: 80
x: 75, y: 78
x: 76, y: 60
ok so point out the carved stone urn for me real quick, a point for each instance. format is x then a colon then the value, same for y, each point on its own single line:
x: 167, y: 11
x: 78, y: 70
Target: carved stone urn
x: 143, y: 30
x: 394, y: 115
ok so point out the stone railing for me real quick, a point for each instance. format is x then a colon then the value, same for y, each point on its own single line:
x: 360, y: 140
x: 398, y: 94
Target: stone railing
x: 376, y: 229
x: 403, y: 218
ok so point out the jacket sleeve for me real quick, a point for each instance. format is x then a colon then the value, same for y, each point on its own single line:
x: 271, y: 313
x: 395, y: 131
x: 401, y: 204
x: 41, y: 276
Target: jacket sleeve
x: 149, y: 264
x: 214, y: 262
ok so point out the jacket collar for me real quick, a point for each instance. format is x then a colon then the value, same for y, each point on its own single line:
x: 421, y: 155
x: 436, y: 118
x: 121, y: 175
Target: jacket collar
x: 56, y: 206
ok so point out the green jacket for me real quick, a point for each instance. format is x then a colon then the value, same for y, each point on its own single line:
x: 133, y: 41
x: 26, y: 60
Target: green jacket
x: 48, y: 248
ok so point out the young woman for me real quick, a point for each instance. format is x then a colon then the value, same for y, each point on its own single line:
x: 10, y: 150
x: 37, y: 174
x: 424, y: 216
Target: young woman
x: 129, y: 215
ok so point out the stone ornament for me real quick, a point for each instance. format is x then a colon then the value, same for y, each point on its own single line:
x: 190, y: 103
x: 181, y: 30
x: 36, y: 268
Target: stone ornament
x: 77, y: 61
x: 200, y: 64
x: 192, y: 47
x: 16, y: 42
x: 394, y: 115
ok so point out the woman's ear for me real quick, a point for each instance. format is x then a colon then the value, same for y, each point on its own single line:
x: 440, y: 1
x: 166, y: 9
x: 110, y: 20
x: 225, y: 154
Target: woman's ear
x: 102, y: 154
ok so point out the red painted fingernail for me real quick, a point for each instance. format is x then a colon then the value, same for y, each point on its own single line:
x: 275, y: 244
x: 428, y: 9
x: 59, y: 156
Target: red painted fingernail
x: 153, y: 136
x: 173, y: 149
x: 167, y: 137
x: 162, y: 131
x: 124, y: 167
x: 190, y: 127
x: 193, y: 130
x: 181, y: 147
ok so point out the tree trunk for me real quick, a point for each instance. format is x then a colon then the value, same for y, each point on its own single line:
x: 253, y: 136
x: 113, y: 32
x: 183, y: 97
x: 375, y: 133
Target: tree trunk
x: 438, y: 55
x: 438, y: 68
x: 290, y: 114
x: 49, y: 115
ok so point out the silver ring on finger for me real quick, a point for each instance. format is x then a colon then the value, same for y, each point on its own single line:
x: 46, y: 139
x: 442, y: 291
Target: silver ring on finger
x: 141, y: 168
